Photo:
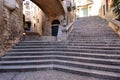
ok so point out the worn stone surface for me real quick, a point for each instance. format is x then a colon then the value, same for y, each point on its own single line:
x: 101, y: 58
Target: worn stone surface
x: 1, y: 23
x: 90, y: 28
x: 11, y: 25
x: 98, y: 30
x: 8, y: 76
x: 1, y: 1
x: 44, y: 75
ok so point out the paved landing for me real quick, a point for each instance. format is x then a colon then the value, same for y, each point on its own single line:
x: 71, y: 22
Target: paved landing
x: 43, y: 75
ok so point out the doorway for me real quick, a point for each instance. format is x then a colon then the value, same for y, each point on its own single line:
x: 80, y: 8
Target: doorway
x: 55, y: 27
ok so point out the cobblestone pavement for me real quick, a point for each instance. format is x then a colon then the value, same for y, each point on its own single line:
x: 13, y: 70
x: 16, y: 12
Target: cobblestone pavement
x: 43, y: 75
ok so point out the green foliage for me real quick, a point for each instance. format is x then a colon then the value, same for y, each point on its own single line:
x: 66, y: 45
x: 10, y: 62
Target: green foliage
x: 116, y: 8
x: 115, y: 2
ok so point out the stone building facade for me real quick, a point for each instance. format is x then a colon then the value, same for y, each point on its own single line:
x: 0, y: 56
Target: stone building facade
x: 106, y: 10
x: 41, y: 22
x: 87, y: 8
x: 102, y: 8
x: 11, y: 25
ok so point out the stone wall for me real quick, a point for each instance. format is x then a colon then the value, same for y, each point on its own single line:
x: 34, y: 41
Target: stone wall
x: 42, y: 24
x: 115, y: 25
x: 10, y: 25
x: 107, y: 14
x: 46, y: 24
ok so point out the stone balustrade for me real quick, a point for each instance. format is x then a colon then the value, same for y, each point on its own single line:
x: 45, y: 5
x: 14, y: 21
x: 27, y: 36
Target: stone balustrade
x: 115, y: 25
x: 64, y: 32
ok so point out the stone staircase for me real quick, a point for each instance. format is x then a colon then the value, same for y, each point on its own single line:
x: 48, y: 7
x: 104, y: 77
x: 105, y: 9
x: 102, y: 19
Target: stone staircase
x: 88, y: 51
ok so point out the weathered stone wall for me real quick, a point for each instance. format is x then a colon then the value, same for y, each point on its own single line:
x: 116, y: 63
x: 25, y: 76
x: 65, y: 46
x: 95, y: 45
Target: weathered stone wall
x: 107, y: 14
x: 45, y: 26
x: 70, y: 17
x: 1, y: 23
x: 48, y: 24
x: 10, y: 25
x: 39, y: 22
x: 42, y: 23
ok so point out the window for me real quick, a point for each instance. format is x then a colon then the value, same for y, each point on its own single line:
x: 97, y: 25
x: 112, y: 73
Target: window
x: 27, y: 4
x: 106, y: 5
x: 103, y: 9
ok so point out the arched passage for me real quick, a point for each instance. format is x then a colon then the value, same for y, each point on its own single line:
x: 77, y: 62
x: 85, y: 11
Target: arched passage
x: 55, y: 27
x: 51, y: 8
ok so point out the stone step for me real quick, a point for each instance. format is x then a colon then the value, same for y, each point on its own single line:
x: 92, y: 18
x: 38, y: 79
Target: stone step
x: 40, y: 44
x: 92, y: 41
x: 27, y: 62
x: 106, y: 34
x: 92, y: 51
x: 95, y: 47
x: 77, y: 47
x: 78, y: 31
x: 76, y: 40
x: 26, y: 42
x: 92, y: 44
x: 23, y: 68
x: 81, y: 39
x: 94, y: 55
x: 67, y: 49
x: 64, y: 57
x: 80, y: 71
x: 39, y: 41
x: 102, y: 29
x: 92, y: 36
x: 88, y: 37
x: 102, y: 67
x: 72, y: 43
x: 90, y: 60
x: 32, y: 49
x: 12, y: 58
x: 88, y: 72
x: 32, y: 36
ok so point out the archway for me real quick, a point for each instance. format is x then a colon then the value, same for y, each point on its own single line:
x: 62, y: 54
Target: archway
x: 55, y: 27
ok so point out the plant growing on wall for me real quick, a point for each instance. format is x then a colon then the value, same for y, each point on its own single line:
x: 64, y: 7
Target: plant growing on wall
x: 116, y: 8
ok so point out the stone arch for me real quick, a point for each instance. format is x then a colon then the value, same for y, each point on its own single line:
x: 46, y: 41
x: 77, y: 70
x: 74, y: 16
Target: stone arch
x: 51, y: 8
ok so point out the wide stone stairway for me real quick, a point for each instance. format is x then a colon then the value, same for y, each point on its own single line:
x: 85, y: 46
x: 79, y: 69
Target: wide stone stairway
x: 92, y: 49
